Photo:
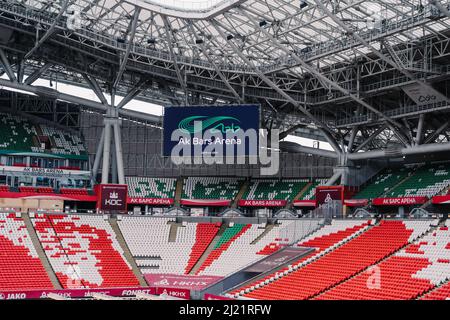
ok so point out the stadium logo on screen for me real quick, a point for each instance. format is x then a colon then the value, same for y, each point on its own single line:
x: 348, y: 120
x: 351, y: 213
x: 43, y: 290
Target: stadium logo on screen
x: 214, y: 135
x: 221, y: 124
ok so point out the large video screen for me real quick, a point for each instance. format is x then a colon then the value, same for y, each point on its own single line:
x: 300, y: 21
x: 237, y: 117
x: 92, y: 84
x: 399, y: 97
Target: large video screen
x: 206, y: 127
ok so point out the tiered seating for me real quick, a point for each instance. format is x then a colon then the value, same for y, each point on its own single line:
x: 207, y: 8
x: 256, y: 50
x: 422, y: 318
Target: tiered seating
x: 4, y: 188
x: 427, y: 181
x: 148, y: 240
x: 441, y: 293
x: 274, y: 189
x: 20, y: 266
x: 211, y: 188
x: 405, y: 275
x: 205, y: 234
x: 237, y: 247
x: 139, y: 187
x: 310, y: 193
x: 27, y: 189
x: 340, y: 264
x: 83, y: 251
x: 323, y: 240
x: 44, y: 189
x: 383, y: 182
x: 230, y: 235
x: 64, y: 142
x: 16, y: 133
x: 74, y: 191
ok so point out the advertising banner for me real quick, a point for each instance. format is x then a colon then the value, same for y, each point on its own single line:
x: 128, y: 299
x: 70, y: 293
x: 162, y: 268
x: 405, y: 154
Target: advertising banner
x: 75, y: 293
x: 205, y: 202
x: 151, y: 201
x: 191, y: 282
x: 47, y: 196
x: 209, y: 296
x: 84, y: 293
x: 327, y: 194
x: 356, y: 202
x: 199, y: 123
x: 262, y: 203
x: 44, y: 172
x: 304, y: 203
x: 441, y: 199
x: 401, y: 201
x: 112, y: 197
x: 423, y: 95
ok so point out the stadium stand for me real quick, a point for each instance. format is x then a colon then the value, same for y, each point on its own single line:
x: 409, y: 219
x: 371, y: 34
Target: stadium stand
x: 74, y: 191
x: 63, y: 142
x: 148, y: 240
x: 426, y: 181
x: 326, y: 238
x: 237, y: 246
x: 211, y: 188
x: 441, y: 293
x: 406, y: 275
x: 83, y: 251
x: 382, y: 183
x: 266, y: 189
x: 140, y: 187
x: 20, y: 267
x: 343, y: 262
x: 203, y: 237
x: 310, y: 193
x: 16, y: 133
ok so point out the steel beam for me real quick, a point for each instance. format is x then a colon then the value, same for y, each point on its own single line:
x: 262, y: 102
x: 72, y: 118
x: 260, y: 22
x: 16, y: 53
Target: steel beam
x: 49, y: 32
x: 96, y: 88
x: 7, y: 66
x: 37, y: 73
x: 325, y: 130
x: 106, y: 152
x: 133, y: 25
x: 319, y: 75
x: 119, y: 152
x: 54, y: 94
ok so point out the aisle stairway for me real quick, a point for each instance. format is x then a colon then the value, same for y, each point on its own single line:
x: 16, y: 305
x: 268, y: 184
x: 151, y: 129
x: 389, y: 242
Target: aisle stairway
x: 210, y: 248
x: 40, y: 251
x: 126, y: 251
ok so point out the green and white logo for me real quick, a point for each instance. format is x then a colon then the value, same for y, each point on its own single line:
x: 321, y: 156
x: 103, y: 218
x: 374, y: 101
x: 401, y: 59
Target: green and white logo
x: 221, y: 124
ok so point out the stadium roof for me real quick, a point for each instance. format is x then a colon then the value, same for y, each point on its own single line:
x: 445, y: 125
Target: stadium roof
x: 191, y: 29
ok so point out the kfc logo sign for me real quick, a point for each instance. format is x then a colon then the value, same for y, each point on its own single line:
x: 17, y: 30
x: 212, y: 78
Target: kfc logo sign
x: 113, y: 197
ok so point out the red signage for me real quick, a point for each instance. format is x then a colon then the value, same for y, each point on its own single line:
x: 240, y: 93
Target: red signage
x: 174, y: 292
x: 209, y: 296
x: 262, y: 203
x: 180, y: 281
x: 304, y: 203
x: 356, y: 202
x: 205, y: 202
x: 48, y: 196
x: 84, y: 293
x: 325, y: 194
x: 112, y: 197
x: 151, y: 201
x: 403, y: 201
x: 441, y: 199
x: 75, y: 293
